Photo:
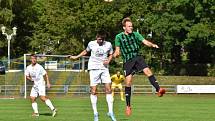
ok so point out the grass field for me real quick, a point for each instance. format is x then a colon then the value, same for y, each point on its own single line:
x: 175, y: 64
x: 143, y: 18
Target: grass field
x: 145, y: 108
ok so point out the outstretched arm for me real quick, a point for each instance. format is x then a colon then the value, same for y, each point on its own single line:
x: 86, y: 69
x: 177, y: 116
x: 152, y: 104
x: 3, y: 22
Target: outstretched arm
x: 84, y: 52
x: 149, y: 44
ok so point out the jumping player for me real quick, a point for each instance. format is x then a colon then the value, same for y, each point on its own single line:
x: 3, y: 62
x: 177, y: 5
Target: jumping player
x: 128, y: 43
x: 101, y: 55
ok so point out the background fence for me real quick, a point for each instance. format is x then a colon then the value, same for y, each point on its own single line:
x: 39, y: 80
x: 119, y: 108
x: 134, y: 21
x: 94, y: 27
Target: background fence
x: 18, y: 90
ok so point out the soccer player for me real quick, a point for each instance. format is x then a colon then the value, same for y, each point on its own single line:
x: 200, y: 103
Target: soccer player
x: 37, y: 74
x: 128, y: 44
x: 117, y: 80
x: 101, y: 55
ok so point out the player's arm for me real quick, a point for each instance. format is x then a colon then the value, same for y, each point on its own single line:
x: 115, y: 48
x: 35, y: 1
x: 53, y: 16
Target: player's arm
x: 112, y: 78
x: 149, y: 44
x: 28, y: 77
x: 117, y: 47
x: 106, y: 62
x: 123, y: 79
x: 84, y: 52
x: 116, y: 52
x: 46, y: 77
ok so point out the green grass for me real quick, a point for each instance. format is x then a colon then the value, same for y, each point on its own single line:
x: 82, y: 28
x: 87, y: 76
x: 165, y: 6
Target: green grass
x: 145, y: 108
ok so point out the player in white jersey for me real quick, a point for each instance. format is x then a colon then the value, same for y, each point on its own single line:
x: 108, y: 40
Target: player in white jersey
x: 37, y: 74
x: 101, y: 55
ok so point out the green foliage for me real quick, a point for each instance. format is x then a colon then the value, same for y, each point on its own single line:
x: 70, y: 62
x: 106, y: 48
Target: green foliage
x: 59, y: 27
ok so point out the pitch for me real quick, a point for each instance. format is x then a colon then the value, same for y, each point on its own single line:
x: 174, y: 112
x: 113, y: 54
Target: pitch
x: 145, y: 108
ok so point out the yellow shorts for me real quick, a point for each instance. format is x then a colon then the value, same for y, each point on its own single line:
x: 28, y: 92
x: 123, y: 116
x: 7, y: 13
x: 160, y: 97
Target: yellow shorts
x: 116, y: 85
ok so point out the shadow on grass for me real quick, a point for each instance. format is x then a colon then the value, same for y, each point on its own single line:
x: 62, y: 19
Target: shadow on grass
x: 45, y: 114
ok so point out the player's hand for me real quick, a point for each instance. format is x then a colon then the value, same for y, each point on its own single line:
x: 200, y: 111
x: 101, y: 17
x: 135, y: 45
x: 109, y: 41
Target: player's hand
x: 155, y: 46
x: 106, y: 62
x: 48, y: 85
x: 73, y: 57
x: 115, y: 55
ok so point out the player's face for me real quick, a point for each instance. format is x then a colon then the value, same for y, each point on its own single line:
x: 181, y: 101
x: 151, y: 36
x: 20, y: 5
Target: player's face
x: 128, y: 28
x: 100, y: 40
x: 118, y: 73
x: 33, y: 60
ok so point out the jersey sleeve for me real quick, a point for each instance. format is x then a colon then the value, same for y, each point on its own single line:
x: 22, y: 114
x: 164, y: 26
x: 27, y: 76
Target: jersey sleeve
x: 27, y: 72
x: 111, y: 49
x: 123, y: 77
x: 88, y: 49
x: 43, y: 71
x: 139, y: 37
x: 117, y: 41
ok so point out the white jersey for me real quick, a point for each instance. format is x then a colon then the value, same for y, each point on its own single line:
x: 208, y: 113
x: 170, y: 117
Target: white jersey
x: 36, y: 72
x: 98, y: 54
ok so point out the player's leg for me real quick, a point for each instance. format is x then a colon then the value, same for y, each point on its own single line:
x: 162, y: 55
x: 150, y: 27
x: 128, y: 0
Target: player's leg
x: 109, y: 97
x: 128, y: 81
x: 95, y: 76
x: 141, y: 65
x: 151, y: 78
x: 33, y: 96
x: 113, y: 86
x: 129, y: 69
x: 42, y: 94
x: 147, y: 71
x: 105, y: 77
x: 93, y: 98
x: 121, y: 92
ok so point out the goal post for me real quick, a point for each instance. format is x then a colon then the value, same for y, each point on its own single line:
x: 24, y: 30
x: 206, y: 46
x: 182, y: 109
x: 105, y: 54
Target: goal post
x: 58, y: 64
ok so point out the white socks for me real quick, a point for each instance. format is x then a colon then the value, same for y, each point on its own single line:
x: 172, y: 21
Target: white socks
x: 49, y: 104
x: 35, y: 108
x: 93, y: 99
x: 109, y: 99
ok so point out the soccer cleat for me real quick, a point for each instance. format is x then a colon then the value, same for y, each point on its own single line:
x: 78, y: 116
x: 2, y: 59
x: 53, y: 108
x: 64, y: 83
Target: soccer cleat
x: 96, y: 117
x: 111, y: 115
x: 35, y: 115
x: 161, y: 92
x: 128, y: 111
x: 54, y: 112
x: 122, y: 99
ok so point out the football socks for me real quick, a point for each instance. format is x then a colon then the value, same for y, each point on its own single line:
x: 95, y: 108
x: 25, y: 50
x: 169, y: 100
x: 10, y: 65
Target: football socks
x: 49, y: 104
x: 35, y: 108
x: 109, y: 99
x: 93, y: 99
x: 153, y: 81
x: 128, y: 95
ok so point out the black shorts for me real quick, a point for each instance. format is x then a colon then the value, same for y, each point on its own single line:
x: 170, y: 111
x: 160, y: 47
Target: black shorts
x: 134, y: 65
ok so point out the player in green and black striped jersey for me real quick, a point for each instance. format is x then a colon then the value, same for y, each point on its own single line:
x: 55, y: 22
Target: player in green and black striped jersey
x: 128, y: 44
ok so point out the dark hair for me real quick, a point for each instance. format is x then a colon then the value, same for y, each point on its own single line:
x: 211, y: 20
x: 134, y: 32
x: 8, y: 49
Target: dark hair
x: 34, y: 55
x: 101, y: 34
x: 127, y: 19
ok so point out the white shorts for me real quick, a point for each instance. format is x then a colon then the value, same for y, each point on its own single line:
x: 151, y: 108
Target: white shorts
x: 38, y: 91
x: 99, y: 76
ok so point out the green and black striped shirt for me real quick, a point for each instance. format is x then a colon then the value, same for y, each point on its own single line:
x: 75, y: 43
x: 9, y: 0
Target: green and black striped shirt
x: 129, y: 44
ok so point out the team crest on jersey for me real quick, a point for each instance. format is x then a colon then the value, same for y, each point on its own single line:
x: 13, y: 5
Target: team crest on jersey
x: 99, y: 52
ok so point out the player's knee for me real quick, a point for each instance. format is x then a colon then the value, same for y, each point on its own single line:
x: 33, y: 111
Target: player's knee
x: 43, y: 98
x: 147, y: 72
x: 108, y: 91
x: 93, y: 92
x: 32, y: 99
